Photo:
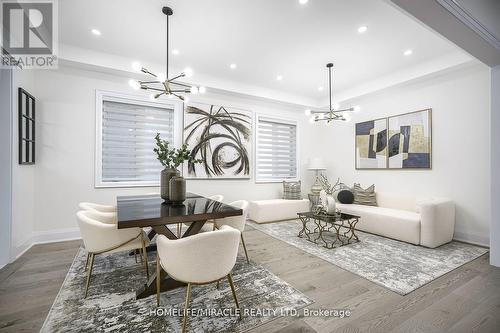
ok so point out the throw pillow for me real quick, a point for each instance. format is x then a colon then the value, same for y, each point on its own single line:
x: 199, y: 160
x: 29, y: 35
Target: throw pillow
x: 291, y: 190
x: 366, y: 196
x: 345, y: 197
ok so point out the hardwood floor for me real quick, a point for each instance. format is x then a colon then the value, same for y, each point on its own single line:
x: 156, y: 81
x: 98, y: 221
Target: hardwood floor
x: 464, y: 300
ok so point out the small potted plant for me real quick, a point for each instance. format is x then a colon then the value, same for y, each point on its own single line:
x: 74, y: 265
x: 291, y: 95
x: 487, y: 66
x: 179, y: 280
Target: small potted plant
x: 171, y: 158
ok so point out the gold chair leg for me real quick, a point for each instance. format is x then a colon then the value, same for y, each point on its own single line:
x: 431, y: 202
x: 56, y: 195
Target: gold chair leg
x: 244, y: 247
x: 230, y: 279
x: 186, y: 306
x: 218, y: 284
x: 179, y: 230
x: 89, y: 273
x: 135, y: 256
x: 145, y: 254
x: 158, y: 268
x: 87, y: 261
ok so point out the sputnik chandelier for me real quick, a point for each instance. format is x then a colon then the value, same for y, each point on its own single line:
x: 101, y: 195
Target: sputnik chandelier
x: 162, y: 84
x: 334, y: 112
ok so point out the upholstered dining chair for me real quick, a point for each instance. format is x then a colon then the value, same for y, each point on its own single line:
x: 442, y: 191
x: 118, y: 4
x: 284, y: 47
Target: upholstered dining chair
x: 206, y: 226
x: 97, y: 207
x: 199, y: 259
x: 237, y: 222
x: 102, y: 236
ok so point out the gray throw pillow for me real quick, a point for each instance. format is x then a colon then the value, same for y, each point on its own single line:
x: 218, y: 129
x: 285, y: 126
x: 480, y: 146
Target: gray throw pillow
x: 366, y: 196
x: 291, y: 190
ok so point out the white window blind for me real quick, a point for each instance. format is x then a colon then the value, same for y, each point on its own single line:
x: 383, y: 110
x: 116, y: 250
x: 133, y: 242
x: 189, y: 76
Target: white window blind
x: 276, y: 150
x: 128, y: 132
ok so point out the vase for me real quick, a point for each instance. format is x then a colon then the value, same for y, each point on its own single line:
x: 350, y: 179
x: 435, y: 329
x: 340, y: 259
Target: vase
x: 177, y: 190
x: 330, y: 205
x: 166, y: 175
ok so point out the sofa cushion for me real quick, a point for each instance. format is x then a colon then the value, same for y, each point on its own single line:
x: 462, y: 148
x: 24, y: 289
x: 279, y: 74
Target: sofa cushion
x: 262, y: 211
x: 393, y: 223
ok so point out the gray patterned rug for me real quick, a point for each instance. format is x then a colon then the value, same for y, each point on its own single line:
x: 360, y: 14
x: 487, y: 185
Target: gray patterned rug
x: 111, y: 305
x: 398, y: 266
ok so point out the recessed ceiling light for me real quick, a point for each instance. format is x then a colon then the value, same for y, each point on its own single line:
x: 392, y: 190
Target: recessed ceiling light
x: 279, y: 77
x: 96, y: 32
x: 320, y: 88
x: 362, y: 29
x: 303, y: 2
x: 175, y: 52
x: 233, y: 66
x: 407, y: 52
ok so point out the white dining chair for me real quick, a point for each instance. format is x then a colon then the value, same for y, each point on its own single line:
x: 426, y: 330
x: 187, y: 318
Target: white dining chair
x: 103, y: 237
x: 237, y: 222
x: 199, y: 259
x: 97, y: 207
x: 209, y: 225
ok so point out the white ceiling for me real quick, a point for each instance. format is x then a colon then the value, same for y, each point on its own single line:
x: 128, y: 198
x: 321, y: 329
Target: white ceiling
x: 263, y: 37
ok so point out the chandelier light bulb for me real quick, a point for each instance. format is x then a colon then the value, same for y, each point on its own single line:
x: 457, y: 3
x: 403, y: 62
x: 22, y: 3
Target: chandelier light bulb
x: 202, y: 90
x: 136, y: 66
x: 188, y: 72
x: 312, y: 120
x: 134, y: 84
x: 186, y: 100
x: 356, y: 108
x: 307, y: 112
x: 152, y: 97
x: 194, y: 90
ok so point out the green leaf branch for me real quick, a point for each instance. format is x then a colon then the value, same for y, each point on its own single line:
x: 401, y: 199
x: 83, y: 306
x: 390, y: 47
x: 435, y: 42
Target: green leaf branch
x: 170, y: 157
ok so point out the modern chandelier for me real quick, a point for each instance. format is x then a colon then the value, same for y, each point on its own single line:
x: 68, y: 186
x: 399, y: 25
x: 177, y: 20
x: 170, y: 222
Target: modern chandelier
x: 334, y: 112
x: 162, y: 84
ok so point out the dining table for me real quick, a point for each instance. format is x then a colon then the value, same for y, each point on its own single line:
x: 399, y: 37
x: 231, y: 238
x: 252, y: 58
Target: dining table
x: 152, y: 211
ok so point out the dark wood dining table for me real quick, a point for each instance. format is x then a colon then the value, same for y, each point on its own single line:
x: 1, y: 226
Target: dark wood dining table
x: 151, y: 211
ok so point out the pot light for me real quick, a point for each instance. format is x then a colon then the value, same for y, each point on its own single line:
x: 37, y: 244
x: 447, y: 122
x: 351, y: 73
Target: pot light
x: 407, y: 52
x: 96, y: 32
x: 320, y: 88
x: 175, y: 52
x: 233, y: 66
x: 362, y: 29
x: 303, y: 2
x: 279, y: 77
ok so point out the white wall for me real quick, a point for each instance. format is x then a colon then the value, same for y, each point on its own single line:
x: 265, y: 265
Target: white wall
x: 66, y: 141
x: 23, y: 176
x: 495, y: 167
x: 461, y: 145
x: 5, y: 164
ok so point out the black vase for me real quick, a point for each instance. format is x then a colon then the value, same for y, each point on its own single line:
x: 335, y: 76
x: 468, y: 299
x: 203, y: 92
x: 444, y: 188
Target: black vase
x: 177, y: 190
x: 166, y: 175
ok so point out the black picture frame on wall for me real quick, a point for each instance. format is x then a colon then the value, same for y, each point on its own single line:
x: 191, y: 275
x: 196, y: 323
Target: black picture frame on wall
x: 26, y: 127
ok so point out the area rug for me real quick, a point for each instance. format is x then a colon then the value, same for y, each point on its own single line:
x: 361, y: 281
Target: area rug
x: 111, y: 305
x: 398, y: 266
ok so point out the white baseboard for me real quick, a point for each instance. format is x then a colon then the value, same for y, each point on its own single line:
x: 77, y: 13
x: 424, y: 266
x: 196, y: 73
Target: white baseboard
x: 476, y: 239
x: 44, y: 237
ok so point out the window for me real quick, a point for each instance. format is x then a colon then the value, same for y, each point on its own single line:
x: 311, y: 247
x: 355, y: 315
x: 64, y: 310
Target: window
x: 125, y: 131
x: 276, y: 150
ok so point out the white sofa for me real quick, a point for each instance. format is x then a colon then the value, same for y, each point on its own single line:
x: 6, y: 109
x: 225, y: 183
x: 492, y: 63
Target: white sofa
x: 262, y: 211
x: 423, y: 221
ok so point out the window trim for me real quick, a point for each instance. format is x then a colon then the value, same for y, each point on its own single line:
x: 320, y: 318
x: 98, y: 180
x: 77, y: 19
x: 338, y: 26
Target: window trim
x: 256, y: 150
x: 101, y: 96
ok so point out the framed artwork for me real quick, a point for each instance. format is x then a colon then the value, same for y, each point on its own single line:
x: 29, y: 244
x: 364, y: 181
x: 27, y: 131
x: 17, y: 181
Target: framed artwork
x: 371, y: 144
x: 219, y: 136
x: 26, y: 127
x: 410, y: 140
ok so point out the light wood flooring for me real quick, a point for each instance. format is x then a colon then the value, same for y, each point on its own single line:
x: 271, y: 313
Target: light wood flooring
x: 464, y: 300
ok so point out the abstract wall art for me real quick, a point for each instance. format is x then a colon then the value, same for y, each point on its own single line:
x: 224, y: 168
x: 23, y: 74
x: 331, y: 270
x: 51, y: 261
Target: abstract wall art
x: 221, y: 137
x: 371, y: 144
x: 410, y: 140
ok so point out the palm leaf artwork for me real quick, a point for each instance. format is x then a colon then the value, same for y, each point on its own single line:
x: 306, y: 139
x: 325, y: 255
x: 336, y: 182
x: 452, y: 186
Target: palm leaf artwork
x: 220, y: 137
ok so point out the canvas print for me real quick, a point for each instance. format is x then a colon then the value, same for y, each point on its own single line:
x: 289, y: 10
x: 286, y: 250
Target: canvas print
x: 221, y: 137
x: 410, y: 140
x: 371, y: 144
